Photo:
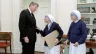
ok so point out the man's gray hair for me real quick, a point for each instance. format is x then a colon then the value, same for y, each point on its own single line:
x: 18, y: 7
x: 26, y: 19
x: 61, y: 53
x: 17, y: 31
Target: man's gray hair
x: 34, y: 3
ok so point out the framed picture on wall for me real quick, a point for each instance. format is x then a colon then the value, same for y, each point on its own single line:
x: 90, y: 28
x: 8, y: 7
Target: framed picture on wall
x: 84, y: 9
x: 83, y: 1
x: 94, y: 0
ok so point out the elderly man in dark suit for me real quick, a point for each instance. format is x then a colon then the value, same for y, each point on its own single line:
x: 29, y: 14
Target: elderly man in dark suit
x: 28, y: 28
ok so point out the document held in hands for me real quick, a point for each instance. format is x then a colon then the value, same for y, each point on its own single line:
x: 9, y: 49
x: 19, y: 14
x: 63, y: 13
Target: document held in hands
x: 50, y: 38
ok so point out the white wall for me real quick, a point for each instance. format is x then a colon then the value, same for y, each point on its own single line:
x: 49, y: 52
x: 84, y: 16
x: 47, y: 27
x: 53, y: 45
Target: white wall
x: 64, y: 8
x: 10, y: 11
x: 6, y: 15
x: 54, y: 8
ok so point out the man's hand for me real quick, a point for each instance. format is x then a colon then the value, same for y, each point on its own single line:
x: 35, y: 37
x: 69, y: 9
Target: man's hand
x: 38, y: 30
x: 26, y: 39
x: 76, y: 44
x: 56, y: 41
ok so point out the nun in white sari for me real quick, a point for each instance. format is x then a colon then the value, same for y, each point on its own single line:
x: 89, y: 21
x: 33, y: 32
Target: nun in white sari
x: 77, y: 34
x: 51, y: 26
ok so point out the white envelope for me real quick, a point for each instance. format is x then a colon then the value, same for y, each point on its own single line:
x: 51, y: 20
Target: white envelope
x: 50, y: 38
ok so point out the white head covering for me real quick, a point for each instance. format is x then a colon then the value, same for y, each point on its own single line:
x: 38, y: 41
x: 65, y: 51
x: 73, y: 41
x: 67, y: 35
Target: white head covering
x: 77, y: 14
x: 52, y: 19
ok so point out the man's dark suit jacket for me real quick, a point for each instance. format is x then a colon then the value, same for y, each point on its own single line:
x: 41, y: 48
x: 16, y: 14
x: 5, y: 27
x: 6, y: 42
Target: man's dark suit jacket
x: 27, y: 26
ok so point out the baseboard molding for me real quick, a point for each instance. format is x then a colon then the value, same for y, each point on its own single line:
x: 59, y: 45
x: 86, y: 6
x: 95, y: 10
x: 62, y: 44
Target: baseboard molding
x: 19, y: 53
x: 39, y: 52
x: 19, y: 50
x: 10, y: 53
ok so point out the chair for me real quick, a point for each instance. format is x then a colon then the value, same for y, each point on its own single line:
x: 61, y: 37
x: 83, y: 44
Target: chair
x: 62, y: 43
x: 5, y: 41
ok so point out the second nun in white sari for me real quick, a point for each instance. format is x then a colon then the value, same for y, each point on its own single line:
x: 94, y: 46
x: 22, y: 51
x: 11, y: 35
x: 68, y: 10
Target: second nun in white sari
x: 77, y: 34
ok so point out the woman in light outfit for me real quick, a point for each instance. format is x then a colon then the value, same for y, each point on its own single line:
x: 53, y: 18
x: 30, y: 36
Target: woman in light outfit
x: 77, y: 34
x: 50, y: 27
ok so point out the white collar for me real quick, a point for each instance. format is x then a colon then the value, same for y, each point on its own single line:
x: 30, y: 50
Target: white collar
x: 49, y: 24
x: 76, y: 21
x: 29, y: 10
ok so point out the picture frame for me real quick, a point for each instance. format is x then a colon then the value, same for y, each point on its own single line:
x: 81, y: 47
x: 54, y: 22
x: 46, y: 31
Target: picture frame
x: 94, y: 0
x: 84, y: 9
x: 83, y: 1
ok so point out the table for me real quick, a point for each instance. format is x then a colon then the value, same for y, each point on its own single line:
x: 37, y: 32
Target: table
x: 91, y: 44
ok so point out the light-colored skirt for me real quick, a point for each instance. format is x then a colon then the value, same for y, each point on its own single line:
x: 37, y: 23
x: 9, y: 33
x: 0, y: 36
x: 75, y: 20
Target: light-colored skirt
x: 53, y: 50
x: 81, y: 49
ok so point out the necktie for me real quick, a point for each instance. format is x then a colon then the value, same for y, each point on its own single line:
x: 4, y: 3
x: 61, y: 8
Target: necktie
x: 32, y: 15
